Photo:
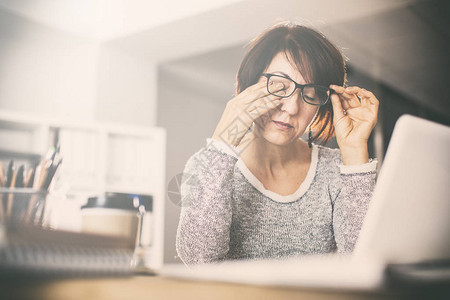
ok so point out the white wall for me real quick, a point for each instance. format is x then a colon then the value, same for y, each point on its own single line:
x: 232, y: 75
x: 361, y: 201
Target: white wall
x: 192, y: 94
x: 46, y: 71
x: 189, y: 116
x: 126, y: 88
x: 51, y: 72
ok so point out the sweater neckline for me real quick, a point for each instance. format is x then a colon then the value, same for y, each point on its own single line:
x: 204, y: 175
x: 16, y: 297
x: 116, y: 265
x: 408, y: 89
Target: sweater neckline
x: 253, y: 180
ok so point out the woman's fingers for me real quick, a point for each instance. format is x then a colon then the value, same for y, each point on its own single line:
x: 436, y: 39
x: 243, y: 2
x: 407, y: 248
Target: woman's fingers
x: 353, y: 127
x: 261, y: 106
x: 241, y: 111
x: 349, y: 95
x: 259, y: 90
x: 339, y: 90
x: 338, y: 110
x: 365, y: 112
x: 355, y: 91
x: 368, y: 95
x: 253, y: 88
x: 352, y: 89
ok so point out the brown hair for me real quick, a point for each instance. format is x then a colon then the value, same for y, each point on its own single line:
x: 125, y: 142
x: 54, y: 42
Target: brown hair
x: 316, y: 58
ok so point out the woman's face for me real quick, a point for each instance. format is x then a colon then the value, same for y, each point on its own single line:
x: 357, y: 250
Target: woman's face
x: 292, y: 110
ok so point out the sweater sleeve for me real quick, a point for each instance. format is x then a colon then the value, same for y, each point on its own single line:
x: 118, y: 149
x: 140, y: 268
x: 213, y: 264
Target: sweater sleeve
x: 203, y: 232
x: 351, y: 202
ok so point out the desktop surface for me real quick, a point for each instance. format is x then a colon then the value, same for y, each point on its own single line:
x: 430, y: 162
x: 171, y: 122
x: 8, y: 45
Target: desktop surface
x: 159, y: 287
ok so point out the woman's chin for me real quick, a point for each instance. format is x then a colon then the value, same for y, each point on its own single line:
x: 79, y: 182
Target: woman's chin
x: 278, y: 139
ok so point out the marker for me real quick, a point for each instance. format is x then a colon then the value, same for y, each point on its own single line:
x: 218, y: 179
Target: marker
x: 20, y: 177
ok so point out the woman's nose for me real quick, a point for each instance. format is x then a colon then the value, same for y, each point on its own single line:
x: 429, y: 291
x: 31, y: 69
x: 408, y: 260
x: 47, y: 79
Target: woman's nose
x: 291, y: 103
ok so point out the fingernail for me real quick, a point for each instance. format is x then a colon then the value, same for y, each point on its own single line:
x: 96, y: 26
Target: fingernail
x: 279, y: 85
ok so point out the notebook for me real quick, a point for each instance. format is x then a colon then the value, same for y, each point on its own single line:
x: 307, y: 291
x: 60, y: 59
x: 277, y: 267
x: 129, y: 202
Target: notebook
x: 407, y: 223
x: 32, y: 251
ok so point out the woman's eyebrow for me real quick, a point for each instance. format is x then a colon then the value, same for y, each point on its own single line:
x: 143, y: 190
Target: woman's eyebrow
x: 282, y: 73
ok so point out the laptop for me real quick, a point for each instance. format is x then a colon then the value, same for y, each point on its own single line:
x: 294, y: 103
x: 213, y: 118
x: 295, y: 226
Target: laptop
x: 407, y: 224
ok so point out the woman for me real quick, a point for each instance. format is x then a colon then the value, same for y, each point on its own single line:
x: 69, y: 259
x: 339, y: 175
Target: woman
x: 257, y: 190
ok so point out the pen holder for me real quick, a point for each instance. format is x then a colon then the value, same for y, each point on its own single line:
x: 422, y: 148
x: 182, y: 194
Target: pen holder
x: 23, y: 206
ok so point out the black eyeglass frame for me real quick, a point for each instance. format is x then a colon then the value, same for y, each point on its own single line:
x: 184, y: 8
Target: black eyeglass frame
x: 297, y: 86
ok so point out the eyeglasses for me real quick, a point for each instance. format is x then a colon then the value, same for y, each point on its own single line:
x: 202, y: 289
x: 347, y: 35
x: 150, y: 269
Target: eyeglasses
x: 313, y: 94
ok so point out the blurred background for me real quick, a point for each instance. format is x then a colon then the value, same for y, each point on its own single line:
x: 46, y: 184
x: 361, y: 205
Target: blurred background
x: 131, y: 89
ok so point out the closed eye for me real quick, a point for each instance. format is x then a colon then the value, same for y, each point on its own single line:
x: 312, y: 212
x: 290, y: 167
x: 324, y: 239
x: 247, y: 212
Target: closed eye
x: 308, y: 98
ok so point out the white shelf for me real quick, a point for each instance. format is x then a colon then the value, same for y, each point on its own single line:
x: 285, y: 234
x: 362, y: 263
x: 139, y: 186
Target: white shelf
x: 98, y: 157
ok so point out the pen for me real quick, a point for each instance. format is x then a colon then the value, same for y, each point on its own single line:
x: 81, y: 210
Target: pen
x: 20, y: 177
x: 50, y: 155
x: 35, y: 184
x: 9, y: 174
x: 48, y: 180
x: 51, y: 172
x: 44, y: 174
x: 40, y: 176
x: 14, y: 199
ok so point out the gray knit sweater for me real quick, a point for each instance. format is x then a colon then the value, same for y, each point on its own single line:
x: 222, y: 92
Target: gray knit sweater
x: 228, y: 214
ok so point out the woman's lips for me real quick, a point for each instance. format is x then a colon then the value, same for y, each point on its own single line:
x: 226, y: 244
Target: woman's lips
x: 282, y: 125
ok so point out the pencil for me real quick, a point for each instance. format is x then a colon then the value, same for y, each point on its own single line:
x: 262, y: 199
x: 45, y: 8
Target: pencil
x: 2, y: 175
x: 29, y: 178
x: 11, y: 195
x: 37, y: 175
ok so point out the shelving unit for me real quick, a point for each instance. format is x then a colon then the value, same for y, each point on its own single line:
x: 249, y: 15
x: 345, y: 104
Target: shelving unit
x: 98, y: 157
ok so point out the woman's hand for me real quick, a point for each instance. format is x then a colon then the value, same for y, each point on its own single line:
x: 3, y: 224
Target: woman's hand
x: 353, y: 122
x: 242, y: 110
